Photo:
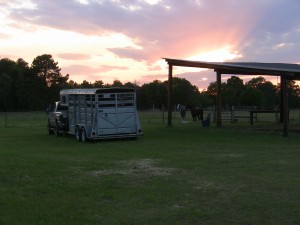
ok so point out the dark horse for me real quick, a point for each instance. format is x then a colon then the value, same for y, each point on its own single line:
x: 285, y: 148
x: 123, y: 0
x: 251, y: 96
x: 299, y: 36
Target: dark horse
x: 197, y: 113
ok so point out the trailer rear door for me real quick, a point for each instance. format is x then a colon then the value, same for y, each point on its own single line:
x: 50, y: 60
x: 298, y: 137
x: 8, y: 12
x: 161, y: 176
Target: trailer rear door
x: 116, y: 114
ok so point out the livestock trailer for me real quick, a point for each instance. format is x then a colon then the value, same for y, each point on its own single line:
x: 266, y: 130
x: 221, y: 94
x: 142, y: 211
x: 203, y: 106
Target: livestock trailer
x: 101, y: 113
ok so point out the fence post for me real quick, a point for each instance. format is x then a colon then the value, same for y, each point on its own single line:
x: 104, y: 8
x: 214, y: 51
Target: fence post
x: 163, y: 114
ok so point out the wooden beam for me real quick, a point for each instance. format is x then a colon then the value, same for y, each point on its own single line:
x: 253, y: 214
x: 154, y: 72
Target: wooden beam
x: 170, y: 95
x: 218, y: 100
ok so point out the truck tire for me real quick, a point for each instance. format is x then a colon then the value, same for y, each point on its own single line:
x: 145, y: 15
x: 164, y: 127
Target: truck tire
x: 78, y: 134
x: 56, y: 129
x: 83, y: 135
x: 50, y: 130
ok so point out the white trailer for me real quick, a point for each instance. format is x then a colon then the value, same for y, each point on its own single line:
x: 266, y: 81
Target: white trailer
x: 101, y: 113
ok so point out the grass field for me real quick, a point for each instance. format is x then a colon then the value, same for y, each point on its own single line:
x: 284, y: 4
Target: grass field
x: 182, y: 175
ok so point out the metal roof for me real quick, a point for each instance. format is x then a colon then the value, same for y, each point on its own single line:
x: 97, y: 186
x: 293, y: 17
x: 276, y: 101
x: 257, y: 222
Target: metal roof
x: 291, y: 71
x: 89, y: 91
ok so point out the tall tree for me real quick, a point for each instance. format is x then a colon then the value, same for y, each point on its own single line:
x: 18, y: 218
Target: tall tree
x: 268, y: 90
x: 211, y: 92
x: 10, y: 79
x: 252, y: 97
x: 86, y: 84
x: 117, y: 83
x: 130, y: 85
x: 46, y: 68
x: 72, y: 84
x: 255, y: 82
x: 293, y: 93
x: 5, y: 91
x: 98, y: 84
x: 236, y: 84
x: 153, y: 94
x: 185, y: 93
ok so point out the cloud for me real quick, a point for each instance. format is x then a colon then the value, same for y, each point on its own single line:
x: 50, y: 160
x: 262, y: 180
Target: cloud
x: 91, y: 74
x: 73, y: 56
x: 8, y: 56
x: 128, y: 52
x: 273, y: 47
x: 169, y: 28
x: 149, y: 78
x: 88, y: 70
x: 254, y: 30
x: 80, y: 70
x: 106, y: 68
x: 4, y: 36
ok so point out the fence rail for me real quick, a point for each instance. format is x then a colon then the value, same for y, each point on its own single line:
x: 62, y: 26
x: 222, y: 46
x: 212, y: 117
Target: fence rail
x: 147, y: 116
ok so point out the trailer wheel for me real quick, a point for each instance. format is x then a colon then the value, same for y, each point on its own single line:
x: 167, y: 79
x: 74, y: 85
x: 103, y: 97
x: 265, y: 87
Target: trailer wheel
x: 50, y: 130
x: 83, y: 135
x: 78, y: 134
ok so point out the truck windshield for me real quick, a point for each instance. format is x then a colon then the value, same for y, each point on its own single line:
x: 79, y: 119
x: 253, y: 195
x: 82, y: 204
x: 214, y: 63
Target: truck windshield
x: 61, y: 107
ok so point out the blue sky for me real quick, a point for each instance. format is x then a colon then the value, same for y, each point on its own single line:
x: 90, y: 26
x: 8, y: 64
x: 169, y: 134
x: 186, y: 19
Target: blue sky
x: 126, y: 40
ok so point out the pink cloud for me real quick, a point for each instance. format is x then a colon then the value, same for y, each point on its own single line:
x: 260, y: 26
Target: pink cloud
x: 73, y: 56
x: 76, y: 70
x: 4, y: 36
x: 128, y: 52
x: 87, y: 70
x: 179, y: 30
x: 106, y: 68
x: 172, y: 28
x: 149, y: 78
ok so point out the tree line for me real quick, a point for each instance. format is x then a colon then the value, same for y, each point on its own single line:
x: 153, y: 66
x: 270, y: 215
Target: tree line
x: 25, y: 87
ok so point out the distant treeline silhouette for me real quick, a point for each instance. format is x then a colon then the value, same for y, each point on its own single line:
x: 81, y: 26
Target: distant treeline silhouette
x: 28, y: 88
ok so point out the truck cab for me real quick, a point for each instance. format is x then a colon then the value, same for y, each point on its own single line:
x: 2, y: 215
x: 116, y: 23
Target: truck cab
x: 58, y: 121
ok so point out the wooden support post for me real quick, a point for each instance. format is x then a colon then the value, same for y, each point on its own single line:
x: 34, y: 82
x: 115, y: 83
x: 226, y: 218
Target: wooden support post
x: 218, y: 103
x: 285, y: 108
x: 170, y: 95
x: 281, y: 99
x: 251, y: 118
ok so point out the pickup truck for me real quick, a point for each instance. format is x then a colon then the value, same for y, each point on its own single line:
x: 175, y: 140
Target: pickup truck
x: 58, y: 121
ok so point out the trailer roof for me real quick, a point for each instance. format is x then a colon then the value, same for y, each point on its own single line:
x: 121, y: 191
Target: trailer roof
x: 89, y: 91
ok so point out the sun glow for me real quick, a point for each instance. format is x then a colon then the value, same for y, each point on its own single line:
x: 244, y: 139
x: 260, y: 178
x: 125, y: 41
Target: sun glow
x: 152, y: 2
x: 219, y: 55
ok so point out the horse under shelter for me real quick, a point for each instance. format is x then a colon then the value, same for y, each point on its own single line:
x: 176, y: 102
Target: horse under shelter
x: 286, y: 71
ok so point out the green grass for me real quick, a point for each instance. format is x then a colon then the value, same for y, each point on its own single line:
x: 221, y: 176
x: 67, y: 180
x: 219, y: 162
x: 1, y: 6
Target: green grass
x: 180, y: 175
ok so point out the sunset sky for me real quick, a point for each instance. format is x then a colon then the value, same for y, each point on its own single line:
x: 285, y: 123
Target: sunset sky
x: 126, y: 39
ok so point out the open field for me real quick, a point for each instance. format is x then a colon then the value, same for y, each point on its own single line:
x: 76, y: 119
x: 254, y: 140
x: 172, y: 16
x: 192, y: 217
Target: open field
x: 186, y: 174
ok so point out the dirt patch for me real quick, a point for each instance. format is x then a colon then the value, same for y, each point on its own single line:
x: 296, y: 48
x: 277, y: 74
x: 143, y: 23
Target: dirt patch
x: 137, y: 167
x: 205, y: 185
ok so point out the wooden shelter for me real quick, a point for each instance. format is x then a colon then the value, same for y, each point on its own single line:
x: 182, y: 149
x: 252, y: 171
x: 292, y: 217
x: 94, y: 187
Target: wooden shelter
x: 286, y: 71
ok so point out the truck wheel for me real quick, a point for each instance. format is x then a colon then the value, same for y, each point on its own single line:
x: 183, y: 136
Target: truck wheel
x: 56, y: 130
x: 50, y: 130
x: 83, y: 135
x: 78, y: 134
